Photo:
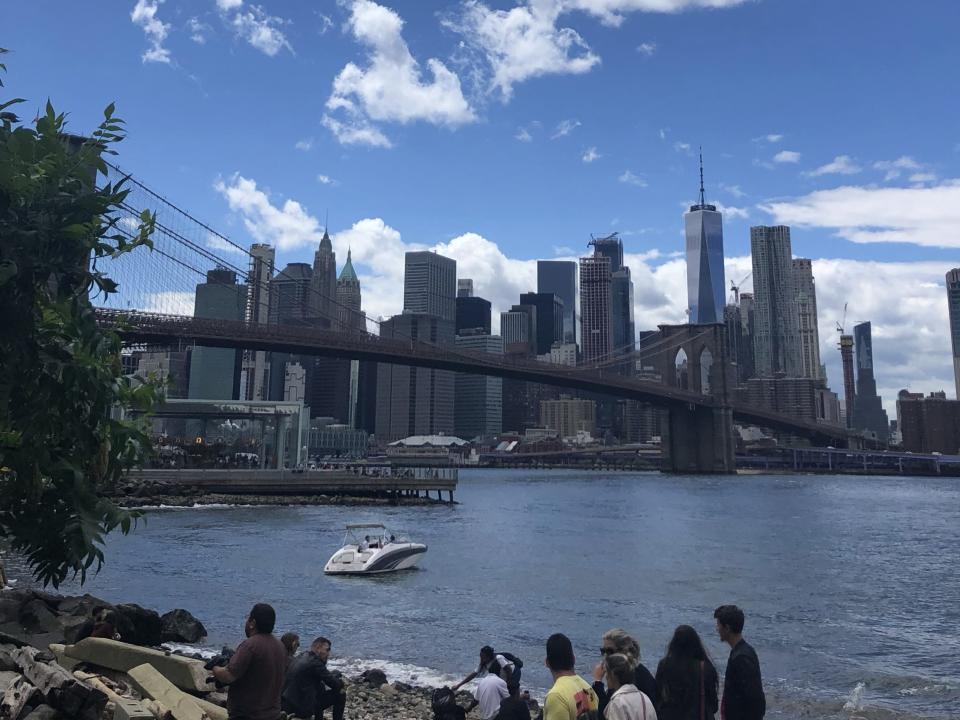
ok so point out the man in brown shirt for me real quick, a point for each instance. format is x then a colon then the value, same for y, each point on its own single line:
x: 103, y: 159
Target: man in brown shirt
x: 255, y: 672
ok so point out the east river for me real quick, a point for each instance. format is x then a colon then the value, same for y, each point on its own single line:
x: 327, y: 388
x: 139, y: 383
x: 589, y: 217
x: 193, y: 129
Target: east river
x: 850, y: 584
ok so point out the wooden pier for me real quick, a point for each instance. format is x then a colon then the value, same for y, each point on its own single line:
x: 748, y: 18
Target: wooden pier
x: 362, y: 481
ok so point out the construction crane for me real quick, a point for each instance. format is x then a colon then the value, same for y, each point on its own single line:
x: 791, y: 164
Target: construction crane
x: 843, y: 321
x: 735, y: 287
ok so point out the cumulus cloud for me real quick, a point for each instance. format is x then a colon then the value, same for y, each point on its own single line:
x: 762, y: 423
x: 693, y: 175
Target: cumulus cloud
x: 590, y: 154
x: 787, y: 156
x: 357, y: 132
x: 391, y: 88
x: 894, y: 168
x: 564, y: 128
x: 198, y: 30
x: 733, y: 190
x: 630, y: 178
x: 521, y: 43
x: 840, y: 165
x: 682, y: 147
x: 523, y: 135
x: 647, y: 48
x: 732, y: 213
x: 612, y: 12
x: 144, y: 14
x: 919, y: 215
x: 304, y: 145
x: 287, y: 226
x: 253, y: 24
x: 326, y: 180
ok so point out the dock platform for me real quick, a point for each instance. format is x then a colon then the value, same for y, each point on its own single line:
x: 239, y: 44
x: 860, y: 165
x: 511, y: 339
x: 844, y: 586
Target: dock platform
x: 385, y: 481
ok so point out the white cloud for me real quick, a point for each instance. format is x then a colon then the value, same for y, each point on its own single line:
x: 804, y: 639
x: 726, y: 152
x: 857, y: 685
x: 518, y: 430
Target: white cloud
x: 326, y: 22
x: 198, y: 30
x: 523, y: 135
x: 304, y: 145
x: 647, y: 48
x: 326, y: 180
x: 630, y: 178
x: 894, y: 168
x: 144, y: 14
x: 923, y: 177
x: 771, y: 138
x: 287, y: 227
x: 787, y: 156
x: 733, y: 190
x: 261, y: 30
x: 357, y: 132
x: 926, y: 216
x: 682, y: 147
x: 391, y: 88
x: 840, y: 165
x: 564, y: 128
x: 611, y: 12
x: 663, y: 133
x: 169, y: 302
x: 732, y: 213
x: 215, y: 242
x: 521, y: 43
x: 226, y: 5
x: 590, y: 154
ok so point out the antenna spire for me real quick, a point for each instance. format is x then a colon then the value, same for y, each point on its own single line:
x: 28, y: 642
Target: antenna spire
x: 702, y: 200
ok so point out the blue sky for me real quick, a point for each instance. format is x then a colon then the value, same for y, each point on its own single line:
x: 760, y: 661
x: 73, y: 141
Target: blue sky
x: 503, y: 132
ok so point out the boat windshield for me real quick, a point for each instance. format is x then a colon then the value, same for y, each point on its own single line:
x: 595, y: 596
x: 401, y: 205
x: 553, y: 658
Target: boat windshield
x: 369, y: 537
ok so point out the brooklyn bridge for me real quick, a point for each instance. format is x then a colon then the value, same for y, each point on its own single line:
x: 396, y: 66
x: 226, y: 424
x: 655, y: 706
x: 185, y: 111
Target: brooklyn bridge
x: 152, y: 309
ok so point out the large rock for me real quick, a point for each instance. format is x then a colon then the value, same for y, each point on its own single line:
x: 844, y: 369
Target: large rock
x: 37, y: 618
x: 138, y: 625
x: 374, y: 678
x: 44, y: 712
x: 180, y: 626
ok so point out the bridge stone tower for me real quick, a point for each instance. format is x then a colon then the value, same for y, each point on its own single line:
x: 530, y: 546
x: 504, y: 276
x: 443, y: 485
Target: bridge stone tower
x: 697, y: 439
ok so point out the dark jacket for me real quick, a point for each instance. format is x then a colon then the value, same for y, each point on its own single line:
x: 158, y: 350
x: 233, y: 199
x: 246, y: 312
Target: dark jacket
x: 642, y: 679
x: 305, y: 680
x: 743, y: 697
x: 679, y: 683
x: 513, y: 708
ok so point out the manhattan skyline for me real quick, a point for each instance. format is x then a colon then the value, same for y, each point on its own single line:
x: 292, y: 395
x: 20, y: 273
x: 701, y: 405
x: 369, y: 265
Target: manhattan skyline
x: 603, y: 136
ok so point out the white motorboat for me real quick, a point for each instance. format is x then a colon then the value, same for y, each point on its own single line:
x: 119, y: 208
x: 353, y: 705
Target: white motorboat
x: 370, y: 549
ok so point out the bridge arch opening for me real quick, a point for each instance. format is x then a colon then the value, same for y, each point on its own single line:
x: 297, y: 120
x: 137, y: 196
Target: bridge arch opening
x: 682, y: 369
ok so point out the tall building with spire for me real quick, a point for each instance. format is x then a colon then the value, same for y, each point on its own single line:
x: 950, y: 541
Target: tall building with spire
x: 324, y: 284
x: 350, y: 317
x: 703, y: 227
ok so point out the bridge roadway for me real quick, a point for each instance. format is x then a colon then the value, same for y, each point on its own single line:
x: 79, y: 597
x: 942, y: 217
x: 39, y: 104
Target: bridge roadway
x: 136, y: 327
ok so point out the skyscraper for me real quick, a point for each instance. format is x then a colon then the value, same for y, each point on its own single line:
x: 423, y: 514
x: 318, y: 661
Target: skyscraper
x: 290, y: 294
x: 256, y: 363
x: 414, y: 401
x: 560, y: 278
x: 621, y: 294
x: 473, y: 313
x: 478, y: 402
x: 323, y: 286
x: 464, y: 287
x: 953, y: 303
x: 549, y: 319
x: 596, y: 333
x: 807, y: 319
x: 350, y: 317
x: 430, y: 284
x: 703, y: 227
x: 215, y: 372
x: 868, y: 412
x: 776, y: 319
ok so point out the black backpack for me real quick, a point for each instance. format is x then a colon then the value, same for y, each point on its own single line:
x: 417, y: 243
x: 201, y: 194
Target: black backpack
x: 444, y: 705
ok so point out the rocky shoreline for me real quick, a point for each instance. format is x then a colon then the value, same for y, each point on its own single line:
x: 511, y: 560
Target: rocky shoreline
x: 34, y: 685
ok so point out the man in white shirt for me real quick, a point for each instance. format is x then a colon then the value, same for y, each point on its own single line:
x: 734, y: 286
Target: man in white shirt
x: 491, y: 691
x: 487, y: 657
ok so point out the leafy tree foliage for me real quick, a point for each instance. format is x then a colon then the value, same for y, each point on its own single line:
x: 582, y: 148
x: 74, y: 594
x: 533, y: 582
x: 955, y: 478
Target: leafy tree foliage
x: 61, y: 383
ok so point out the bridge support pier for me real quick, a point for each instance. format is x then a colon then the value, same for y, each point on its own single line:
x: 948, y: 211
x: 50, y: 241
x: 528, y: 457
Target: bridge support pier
x: 698, y: 439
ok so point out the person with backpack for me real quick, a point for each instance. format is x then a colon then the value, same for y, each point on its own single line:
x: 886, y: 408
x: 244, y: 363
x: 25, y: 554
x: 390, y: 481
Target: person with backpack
x: 571, y: 697
x: 686, y: 679
x: 626, y: 701
x: 511, y: 663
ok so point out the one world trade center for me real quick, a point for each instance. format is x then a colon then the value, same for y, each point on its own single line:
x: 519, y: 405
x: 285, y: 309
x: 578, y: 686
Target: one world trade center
x: 705, y: 281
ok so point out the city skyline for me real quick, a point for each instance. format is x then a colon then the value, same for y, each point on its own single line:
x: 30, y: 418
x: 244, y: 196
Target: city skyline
x: 866, y: 204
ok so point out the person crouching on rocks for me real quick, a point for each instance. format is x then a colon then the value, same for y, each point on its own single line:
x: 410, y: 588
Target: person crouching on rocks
x: 310, y: 687
x: 255, y: 671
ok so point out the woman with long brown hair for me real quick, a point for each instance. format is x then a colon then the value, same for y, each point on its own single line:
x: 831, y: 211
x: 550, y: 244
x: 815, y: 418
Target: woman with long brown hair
x: 686, y: 679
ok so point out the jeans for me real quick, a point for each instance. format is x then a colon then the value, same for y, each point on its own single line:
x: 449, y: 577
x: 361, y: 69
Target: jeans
x: 330, y: 698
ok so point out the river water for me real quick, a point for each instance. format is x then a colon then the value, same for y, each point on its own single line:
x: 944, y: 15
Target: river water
x: 849, y: 584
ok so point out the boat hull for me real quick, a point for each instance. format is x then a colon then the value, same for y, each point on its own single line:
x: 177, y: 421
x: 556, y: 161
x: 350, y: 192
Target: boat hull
x: 390, y: 559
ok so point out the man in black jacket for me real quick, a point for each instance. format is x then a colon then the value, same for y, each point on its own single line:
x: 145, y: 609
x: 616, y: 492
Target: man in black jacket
x: 743, y: 697
x: 310, y: 687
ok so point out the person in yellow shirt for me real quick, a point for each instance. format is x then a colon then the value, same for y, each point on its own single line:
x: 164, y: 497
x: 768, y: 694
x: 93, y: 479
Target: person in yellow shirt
x: 571, y: 697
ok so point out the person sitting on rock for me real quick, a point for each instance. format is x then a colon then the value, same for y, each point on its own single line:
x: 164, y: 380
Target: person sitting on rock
x: 310, y: 687
x: 256, y: 670
x: 106, y: 626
